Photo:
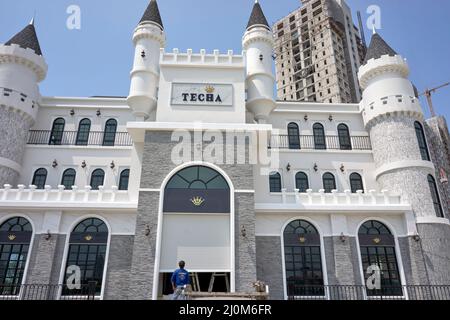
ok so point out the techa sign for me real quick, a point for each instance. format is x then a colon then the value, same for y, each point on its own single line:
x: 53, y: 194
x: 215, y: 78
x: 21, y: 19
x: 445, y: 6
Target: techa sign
x: 202, y: 94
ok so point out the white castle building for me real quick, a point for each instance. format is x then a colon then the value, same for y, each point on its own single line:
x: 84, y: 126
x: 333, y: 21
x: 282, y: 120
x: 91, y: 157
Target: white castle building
x: 104, y: 184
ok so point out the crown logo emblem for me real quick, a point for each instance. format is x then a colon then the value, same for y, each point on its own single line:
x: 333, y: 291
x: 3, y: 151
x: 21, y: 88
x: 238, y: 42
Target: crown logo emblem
x: 88, y: 238
x: 377, y: 240
x: 197, y: 201
x: 12, y: 237
x: 210, y: 89
x: 302, y: 239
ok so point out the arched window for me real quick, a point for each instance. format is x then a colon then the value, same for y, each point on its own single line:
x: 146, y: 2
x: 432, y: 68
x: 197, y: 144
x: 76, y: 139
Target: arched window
x: 15, y: 238
x: 68, y: 178
x: 109, y: 136
x: 301, y: 182
x: 57, y: 133
x: 435, y: 196
x: 84, y: 129
x: 329, y: 182
x: 198, y: 189
x: 39, y: 178
x: 97, y: 179
x: 199, y: 178
x: 319, y: 137
x: 422, y: 141
x: 377, y: 246
x: 293, y: 136
x: 87, y: 251
x: 303, y: 261
x: 356, y: 182
x: 345, y: 142
x: 275, y: 182
x: 124, y: 178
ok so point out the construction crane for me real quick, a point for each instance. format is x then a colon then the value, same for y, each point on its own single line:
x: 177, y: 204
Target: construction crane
x: 428, y: 93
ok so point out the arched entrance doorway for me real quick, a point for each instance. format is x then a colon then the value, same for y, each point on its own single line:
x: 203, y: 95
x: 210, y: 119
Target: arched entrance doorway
x: 197, y: 223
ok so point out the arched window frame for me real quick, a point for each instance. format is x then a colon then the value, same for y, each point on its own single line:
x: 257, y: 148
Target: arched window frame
x: 275, y: 184
x: 345, y: 141
x: 97, y: 178
x: 356, y: 182
x: 88, y: 239
x: 15, y: 241
x: 293, y: 136
x: 422, y: 141
x: 40, y: 178
x: 301, y: 181
x: 302, y: 245
x: 83, y: 133
x: 68, y: 178
x: 329, y: 182
x: 320, y: 142
x: 124, y: 179
x: 57, y: 133
x: 435, y: 196
x: 109, y: 135
x: 377, y: 243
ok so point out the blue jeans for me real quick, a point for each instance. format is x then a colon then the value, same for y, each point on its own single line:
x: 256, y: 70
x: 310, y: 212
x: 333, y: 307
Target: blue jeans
x: 179, y: 293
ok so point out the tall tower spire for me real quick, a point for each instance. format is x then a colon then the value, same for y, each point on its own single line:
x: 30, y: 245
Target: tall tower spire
x: 148, y: 39
x: 258, y: 45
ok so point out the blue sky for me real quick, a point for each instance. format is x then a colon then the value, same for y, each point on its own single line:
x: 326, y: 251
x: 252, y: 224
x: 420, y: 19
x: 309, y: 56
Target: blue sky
x: 97, y: 59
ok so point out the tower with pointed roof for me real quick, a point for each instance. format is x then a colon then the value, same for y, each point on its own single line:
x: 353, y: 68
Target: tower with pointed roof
x: 148, y: 39
x: 394, y: 118
x: 260, y: 81
x: 22, y: 68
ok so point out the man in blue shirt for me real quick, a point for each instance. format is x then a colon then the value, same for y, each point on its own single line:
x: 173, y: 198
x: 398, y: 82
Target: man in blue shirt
x: 180, y: 279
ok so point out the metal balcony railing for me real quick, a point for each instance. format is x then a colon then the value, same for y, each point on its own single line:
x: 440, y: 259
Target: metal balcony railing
x: 309, y: 142
x: 73, y: 138
x: 49, y: 292
x: 360, y: 292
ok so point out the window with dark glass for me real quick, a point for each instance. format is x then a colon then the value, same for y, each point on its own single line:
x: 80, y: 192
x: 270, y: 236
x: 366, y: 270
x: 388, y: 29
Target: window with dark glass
x: 344, y: 137
x: 303, y: 261
x: 377, y: 246
x: 275, y: 182
x: 15, y: 238
x: 435, y: 196
x: 329, y: 182
x: 83, y: 133
x: 97, y: 179
x: 293, y: 136
x: 422, y: 141
x: 39, y: 178
x: 87, y: 250
x: 124, y: 178
x: 197, y: 177
x: 68, y: 178
x: 109, y: 136
x: 356, y: 182
x: 319, y: 137
x: 57, y: 132
x: 301, y: 182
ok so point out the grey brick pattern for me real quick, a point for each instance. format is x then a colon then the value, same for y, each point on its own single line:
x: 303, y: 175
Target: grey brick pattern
x: 144, y: 247
x: 119, y: 267
x: 43, y: 266
x: 157, y: 165
x: 8, y: 176
x: 269, y: 267
x: 13, y: 127
x: 413, y: 261
x: 245, y: 246
x: 436, y: 249
x: 439, y: 145
x: 341, y: 260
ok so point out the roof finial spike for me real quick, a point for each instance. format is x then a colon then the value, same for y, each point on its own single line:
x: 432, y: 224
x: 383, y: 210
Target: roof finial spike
x: 374, y: 30
x: 34, y: 17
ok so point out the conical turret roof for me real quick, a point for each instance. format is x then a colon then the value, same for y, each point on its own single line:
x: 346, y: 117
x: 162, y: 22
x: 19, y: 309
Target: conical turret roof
x: 152, y: 14
x: 27, y: 38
